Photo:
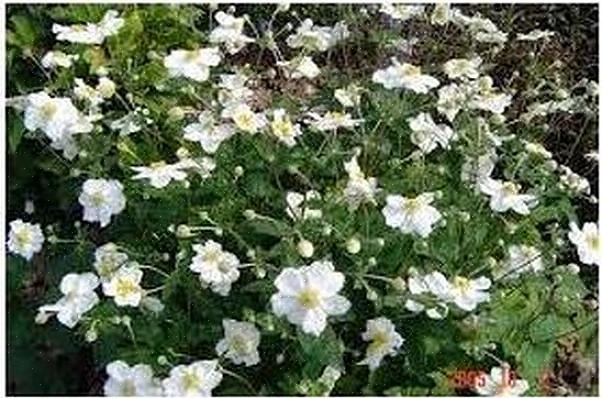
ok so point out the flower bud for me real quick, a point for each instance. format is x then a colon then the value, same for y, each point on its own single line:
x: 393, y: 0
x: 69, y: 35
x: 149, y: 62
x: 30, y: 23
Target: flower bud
x: 399, y: 284
x: 250, y: 214
x: 106, y: 87
x: 353, y: 245
x: 305, y: 248
x: 91, y: 335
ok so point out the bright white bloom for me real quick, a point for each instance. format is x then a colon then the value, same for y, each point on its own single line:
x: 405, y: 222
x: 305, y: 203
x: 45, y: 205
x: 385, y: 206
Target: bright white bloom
x: 78, y: 298
x: 209, y: 134
x: 537, y: 149
x: 332, y: 121
x: 411, y: 215
x: 405, y: 76
x: 491, y: 101
x: 384, y: 341
x: 521, y: 258
x: 193, y: 64
x: 107, y: 260
x: 360, y: 189
x: 229, y: 32
x: 458, y: 68
x: 433, y: 285
x: 106, y: 87
x: 283, y: 129
x: 90, y: 33
x: 305, y: 248
x: 127, y: 124
x: 124, y: 286
x: 478, y: 169
x: 130, y: 381
x: 101, y: 199
x: 55, y: 59
x: 240, y: 342
x: 309, y: 294
x: 402, y: 12
x: 451, y: 100
x: 534, y: 35
x: 505, y: 196
x: 85, y: 92
x: 233, y: 90
x: 217, y: 267
x: 194, y: 380
x: 302, y: 67
x: 495, y: 37
x: 296, y: 205
x: 244, y: 118
x: 440, y: 14
x: 25, y: 239
x: 56, y: 117
x: 317, y: 38
x: 501, y: 382
x: 349, y: 97
x: 587, y: 241
x: 468, y: 293
x: 573, y: 181
x: 160, y: 174
x: 203, y: 166
x: 427, y: 135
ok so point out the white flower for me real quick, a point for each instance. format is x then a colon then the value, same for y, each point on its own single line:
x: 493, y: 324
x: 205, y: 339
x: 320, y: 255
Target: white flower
x: 233, y: 90
x: 90, y: 33
x: 127, y: 124
x: 440, y: 14
x: 462, y: 68
x: 493, y: 102
x: 353, y: 245
x: 521, y: 258
x: 302, y: 67
x: 283, y: 129
x: 317, y: 38
x: 54, y: 59
x: 217, y: 268
x: 411, y: 215
x: 193, y: 64
x: 203, y: 166
x: 587, y: 241
x: 402, y: 12
x: 468, y: 293
x: 308, y: 295
x: 573, y: 181
x: 25, y: 239
x: 78, y: 298
x: 305, y: 248
x: 244, y: 118
x: 332, y: 121
x: 497, y: 37
x: 240, y: 342
x: 537, y: 149
x: 107, y: 260
x: 194, y: 380
x: 349, y: 97
x: 451, y: 100
x: 359, y: 189
x: 101, y: 199
x: 478, y: 169
x: 434, y: 284
x: 229, y: 32
x: 534, y: 35
x: 207, y: 132
x: 405, y: 76
x: 506, y: 196
x: 296, y: 205
x: 56, y: 117
x: 83, y: 91
x: 160, y: 174
x: 124, y: 286
x: 501, y: 382
x: 427, y: 135
x: 384, y: 341
x: 106, y: 87
x: 126, y: 381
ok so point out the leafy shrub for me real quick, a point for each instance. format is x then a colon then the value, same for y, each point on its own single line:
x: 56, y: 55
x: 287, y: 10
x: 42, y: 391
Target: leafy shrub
x: 243, y: 204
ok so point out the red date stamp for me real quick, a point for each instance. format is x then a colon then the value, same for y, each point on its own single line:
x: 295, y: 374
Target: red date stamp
x: 470, y: 378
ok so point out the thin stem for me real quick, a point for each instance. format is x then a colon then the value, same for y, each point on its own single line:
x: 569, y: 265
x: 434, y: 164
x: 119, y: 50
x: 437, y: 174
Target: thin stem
x: 241, y: 379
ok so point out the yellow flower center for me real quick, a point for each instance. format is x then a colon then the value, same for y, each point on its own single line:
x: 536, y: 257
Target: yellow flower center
x: 411, y: 70
x: 244, y: 120
x: 23, y: 237
x: 412, y: 206
x: 309, y: 298
x: 510, y: 188
x: 593, y: 241
x: 238, y: 344
x: 157, y: 165
x: 282, y: 127
x: 128, y: 388
x: 126, y: 287
x: 49, y: 109
x: 212, y: 256
x: 97, y: 199
x: 338, y: 117
x: 379, y: 340
x: 191, y: 55
x: 191, y: 381
x: 462, y: 284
